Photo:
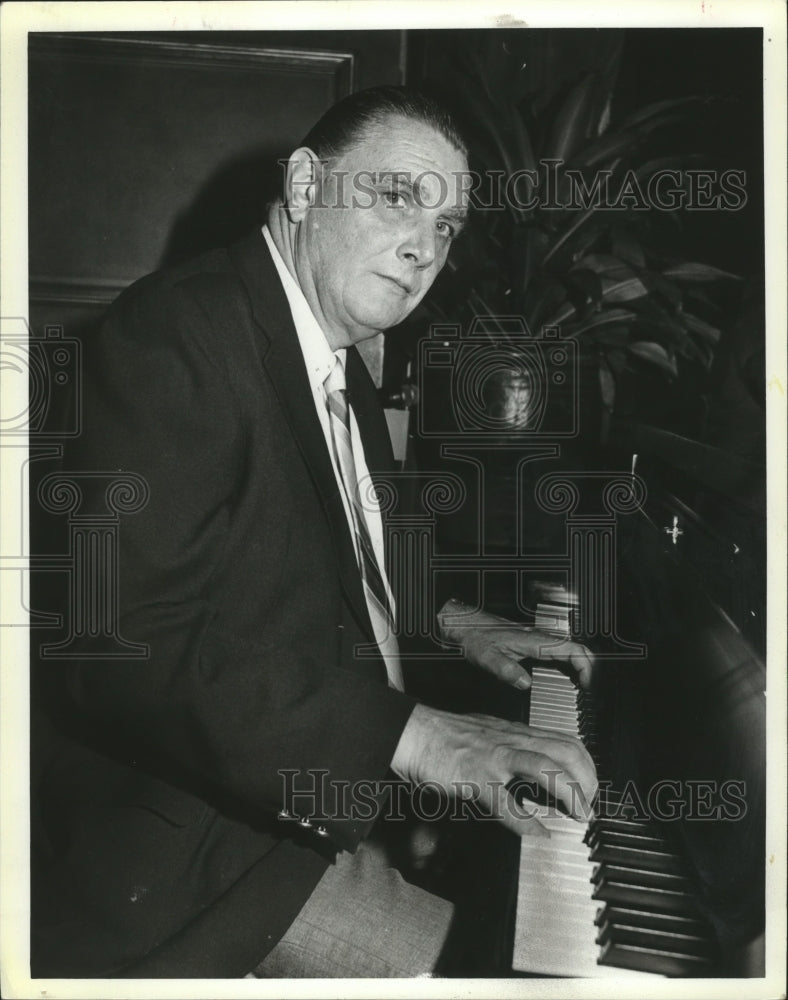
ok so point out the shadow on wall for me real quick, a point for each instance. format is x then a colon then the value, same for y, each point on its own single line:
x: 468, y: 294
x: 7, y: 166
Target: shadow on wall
x: 228, y: 206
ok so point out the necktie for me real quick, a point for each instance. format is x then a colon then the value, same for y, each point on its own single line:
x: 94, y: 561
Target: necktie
x: 375, y: 591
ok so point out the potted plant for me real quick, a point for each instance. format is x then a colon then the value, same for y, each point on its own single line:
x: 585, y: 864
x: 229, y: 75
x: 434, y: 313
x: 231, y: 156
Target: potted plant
x: 579, y: 228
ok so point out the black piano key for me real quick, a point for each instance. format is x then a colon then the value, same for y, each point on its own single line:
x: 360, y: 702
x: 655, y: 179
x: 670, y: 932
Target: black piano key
x: 648, y: 918
x: 643, y: 876
x: 638, y: 858
x: 663, y: 963
x: 602, y: 822
x: 647, y: 897
x: 645, y: 841
x: 659, y: 940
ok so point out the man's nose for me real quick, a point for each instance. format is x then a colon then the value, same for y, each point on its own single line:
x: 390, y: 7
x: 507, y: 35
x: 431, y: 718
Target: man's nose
x: 419, y: 246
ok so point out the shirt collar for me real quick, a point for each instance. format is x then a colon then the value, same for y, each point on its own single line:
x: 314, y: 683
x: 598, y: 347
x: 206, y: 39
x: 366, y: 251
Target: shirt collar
x: 318, y: 356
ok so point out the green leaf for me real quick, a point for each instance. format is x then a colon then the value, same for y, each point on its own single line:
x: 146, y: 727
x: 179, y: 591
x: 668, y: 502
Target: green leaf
x: 623, y: 291
x: 602, y: 318
x: 606, y: 264
x: 692, y: 271
x: 656, y: 324
x: 617, y: 360
x: 584, y: 242
x: 571, y: 124
x: 703, y: 329
x: 698, y: 293
x: 525, y: 149
x: 588, y: 283
x: 626, y: 138
x: 607, y: 383
x: 487, y: 116
x: 563, y: 314
x: 649, y: 111
x: 689, y: 349
x: 697, y: 350
x: 657, y: 282
x: 564, y: 236
x: 607, y: 149
x: 655, y: 354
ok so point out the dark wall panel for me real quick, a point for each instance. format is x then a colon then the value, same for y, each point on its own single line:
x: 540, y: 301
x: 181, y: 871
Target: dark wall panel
x: 146, y: 149
x: 126, y: 135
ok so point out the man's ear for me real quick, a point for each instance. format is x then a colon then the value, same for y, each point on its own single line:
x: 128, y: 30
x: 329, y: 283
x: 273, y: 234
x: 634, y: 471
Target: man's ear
x: 302, y: 181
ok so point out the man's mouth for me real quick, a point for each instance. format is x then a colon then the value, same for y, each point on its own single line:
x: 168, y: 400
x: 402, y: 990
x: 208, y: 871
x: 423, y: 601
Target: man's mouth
x: 403, y: 286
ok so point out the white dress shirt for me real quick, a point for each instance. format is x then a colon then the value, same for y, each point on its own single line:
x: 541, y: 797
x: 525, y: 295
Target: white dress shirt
x: 319, y: 360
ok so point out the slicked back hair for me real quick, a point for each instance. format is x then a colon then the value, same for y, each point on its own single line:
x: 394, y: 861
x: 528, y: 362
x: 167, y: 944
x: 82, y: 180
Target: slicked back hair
x: 348, y: 121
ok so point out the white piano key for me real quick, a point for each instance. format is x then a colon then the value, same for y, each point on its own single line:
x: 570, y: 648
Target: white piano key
x: 555, y: 933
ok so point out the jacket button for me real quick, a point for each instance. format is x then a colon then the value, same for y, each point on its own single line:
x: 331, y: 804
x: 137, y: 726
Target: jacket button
x: 321, y: 831
x: 284, y: 814
x: 304, y: 822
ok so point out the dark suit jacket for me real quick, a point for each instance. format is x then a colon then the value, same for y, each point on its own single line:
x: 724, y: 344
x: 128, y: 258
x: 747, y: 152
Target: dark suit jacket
x: 157, y: 846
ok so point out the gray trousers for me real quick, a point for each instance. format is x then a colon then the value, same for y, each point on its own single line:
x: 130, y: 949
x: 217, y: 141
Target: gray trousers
x: 362, y: 920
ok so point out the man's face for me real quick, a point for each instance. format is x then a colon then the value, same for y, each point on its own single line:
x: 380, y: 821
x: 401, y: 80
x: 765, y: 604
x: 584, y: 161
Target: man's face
x: 380, y: 231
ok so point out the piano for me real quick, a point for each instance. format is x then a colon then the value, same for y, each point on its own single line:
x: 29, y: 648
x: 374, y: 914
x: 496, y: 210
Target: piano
x: 667, y: 877
x: 667, y: 884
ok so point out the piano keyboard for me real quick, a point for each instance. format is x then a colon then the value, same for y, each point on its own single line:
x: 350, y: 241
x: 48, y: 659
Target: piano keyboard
x: 606, y: 898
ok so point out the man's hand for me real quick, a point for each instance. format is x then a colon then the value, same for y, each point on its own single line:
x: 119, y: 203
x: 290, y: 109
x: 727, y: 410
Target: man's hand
x: 476, y: 756
x: 497, y: 645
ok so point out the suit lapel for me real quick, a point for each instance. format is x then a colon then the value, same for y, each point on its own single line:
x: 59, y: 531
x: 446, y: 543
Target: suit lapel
x: 281, y: 356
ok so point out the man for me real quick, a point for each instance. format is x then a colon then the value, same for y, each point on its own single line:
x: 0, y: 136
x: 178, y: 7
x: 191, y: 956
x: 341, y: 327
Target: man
x: 232, y: 384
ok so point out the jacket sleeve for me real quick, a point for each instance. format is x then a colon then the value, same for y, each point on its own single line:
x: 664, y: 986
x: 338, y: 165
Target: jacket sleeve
x: 230, y: 718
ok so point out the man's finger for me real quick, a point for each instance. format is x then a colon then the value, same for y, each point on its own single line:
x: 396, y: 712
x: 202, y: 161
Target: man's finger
x: 574, y: 788
x: 545, y: 646
x: 551, y: 753
x: 523, y: 821
x: 521, y: 818
x: 580, y: 657
x: 507, y: 669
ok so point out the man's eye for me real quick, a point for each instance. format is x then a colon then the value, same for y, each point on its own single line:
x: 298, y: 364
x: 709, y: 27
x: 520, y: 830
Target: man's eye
x: 394, y: 199
x: 446, y: 229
